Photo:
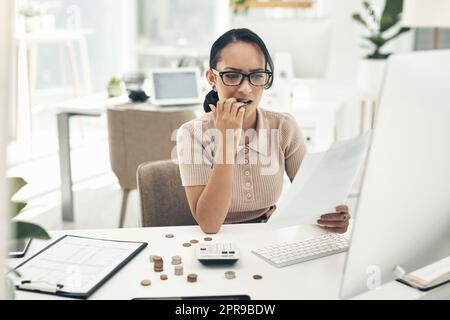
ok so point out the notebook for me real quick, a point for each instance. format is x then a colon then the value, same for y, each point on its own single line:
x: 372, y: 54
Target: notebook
x: 429, y: 277
x: 75, y: 266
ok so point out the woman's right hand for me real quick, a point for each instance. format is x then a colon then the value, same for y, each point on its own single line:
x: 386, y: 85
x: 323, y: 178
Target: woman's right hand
x: 229, y: 115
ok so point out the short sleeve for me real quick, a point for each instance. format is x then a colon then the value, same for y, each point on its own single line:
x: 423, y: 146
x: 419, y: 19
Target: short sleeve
x: 195, y: 161
x: 294, y: 145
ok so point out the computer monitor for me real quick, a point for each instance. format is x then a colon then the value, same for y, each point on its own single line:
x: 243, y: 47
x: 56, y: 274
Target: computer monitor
x: 178, y: 86
x: 308, y: 41
x: 403, y: 213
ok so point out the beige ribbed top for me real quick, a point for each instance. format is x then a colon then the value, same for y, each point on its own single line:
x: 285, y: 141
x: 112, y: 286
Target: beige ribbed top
x: 276, y: 146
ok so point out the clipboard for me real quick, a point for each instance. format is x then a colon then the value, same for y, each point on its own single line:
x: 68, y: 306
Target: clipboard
x: 46, y: 264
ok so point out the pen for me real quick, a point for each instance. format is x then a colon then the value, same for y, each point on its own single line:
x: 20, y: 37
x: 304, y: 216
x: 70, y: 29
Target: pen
x: 40, y: 286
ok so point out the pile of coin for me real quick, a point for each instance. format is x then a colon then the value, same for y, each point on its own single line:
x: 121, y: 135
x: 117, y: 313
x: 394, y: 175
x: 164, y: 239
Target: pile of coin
x: 192, y: 277
x: 176, y: 260
x: 158, y: 264
x: 152, y: 257
x: 230, y: 275
x: 179, y: 270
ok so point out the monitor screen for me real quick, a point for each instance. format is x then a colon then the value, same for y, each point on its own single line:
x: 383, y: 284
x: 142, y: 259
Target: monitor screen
x: 175, y: 85
x: 402, y: 217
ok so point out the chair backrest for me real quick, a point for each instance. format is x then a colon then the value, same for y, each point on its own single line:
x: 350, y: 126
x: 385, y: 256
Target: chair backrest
x: 137, y: 135
x: 162, y: 197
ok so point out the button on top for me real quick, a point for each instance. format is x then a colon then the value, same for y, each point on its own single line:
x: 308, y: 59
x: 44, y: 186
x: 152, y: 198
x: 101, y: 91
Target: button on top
x: 248, y: 184
x: 246, y: 161
x: 249, y: 195
x: 246, y: 150
x: 247, y: 173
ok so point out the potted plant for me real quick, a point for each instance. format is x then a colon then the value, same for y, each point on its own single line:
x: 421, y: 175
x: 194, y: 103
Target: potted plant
x: 21, y: 229
x: 31, y: 13
x: 116, y: 87
x: 383, y: 28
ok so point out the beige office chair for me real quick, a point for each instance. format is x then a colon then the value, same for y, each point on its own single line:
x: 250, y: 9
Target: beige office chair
x: 162, y: 197
x: 137, y: 136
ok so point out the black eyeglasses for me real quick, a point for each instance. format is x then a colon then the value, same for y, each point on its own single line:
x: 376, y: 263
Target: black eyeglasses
x: 235, y: 78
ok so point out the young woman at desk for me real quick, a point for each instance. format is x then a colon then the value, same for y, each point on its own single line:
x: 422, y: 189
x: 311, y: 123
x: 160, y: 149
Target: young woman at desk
x: 232, y: 160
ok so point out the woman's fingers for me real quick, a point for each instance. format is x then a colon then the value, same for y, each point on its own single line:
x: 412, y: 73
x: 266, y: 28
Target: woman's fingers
x: 337, y: 216
x: 227, y: 107
x: 334, y: 224
x: 334, y: 230
x: 342, y: 208
x: 240, y: 115
x: 236, y: 107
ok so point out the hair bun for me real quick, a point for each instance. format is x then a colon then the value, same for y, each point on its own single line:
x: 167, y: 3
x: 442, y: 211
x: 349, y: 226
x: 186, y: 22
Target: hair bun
x: 211, y: 98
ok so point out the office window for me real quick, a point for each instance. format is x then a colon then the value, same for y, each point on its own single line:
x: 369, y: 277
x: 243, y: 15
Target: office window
x: 424, y: 39
x: 176, y: 22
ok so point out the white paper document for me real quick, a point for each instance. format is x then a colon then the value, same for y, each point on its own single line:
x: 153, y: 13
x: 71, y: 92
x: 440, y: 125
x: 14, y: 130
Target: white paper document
x: 323, y: 182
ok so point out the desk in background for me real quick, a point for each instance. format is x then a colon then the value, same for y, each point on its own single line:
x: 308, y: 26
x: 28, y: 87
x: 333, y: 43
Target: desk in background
x: 88, y: 106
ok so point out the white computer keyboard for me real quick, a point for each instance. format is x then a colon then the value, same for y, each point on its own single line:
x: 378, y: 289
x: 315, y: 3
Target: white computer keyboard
x: 285, y: 254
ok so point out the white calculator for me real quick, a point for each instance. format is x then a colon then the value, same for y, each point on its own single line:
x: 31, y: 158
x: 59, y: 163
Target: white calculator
x: 217, y: 253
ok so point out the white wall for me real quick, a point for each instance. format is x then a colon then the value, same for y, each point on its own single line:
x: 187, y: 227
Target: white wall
x: 111, y: 47
x: 6, y: 100
x: 346, y: 53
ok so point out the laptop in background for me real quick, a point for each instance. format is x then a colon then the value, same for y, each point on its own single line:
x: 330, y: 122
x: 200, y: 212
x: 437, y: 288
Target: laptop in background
x: 175, y: 87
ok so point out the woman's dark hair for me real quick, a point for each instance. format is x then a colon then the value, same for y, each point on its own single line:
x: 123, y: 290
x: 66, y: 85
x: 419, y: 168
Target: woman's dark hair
x: 235, y: 35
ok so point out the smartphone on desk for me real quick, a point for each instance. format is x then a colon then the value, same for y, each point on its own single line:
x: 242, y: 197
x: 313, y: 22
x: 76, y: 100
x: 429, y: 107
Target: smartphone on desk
x: 18, y: 247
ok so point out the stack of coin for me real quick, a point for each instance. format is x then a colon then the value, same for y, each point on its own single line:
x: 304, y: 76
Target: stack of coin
x: 158, y: 264
x: 230, y: 275
x: 176, y: 260
x: 192, y: 277
x: 179, y: 270
x: 151, y: 258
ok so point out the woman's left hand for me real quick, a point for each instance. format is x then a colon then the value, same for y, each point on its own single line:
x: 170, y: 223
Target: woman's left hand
x: 335, y: 222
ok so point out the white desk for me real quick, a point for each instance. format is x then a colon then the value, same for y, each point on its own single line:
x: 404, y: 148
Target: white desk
x: 316, y: 279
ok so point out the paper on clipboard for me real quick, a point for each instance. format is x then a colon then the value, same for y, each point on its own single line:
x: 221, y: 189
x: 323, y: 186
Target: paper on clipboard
x: 323, y: 182
x: 75, y: 266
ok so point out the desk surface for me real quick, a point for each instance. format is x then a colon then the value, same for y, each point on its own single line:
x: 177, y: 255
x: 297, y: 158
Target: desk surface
x: 313, y: 279
x: 316, y: 279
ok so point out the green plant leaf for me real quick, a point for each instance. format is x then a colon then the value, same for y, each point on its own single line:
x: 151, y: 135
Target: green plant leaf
x: 29, y: 230
x: 377, y: 40
x: 399, y: 32
x: 357, y: 17
x: 15, y: 184
x: 16, y: 208
x: 391, y: 14
x: 371, y: 12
